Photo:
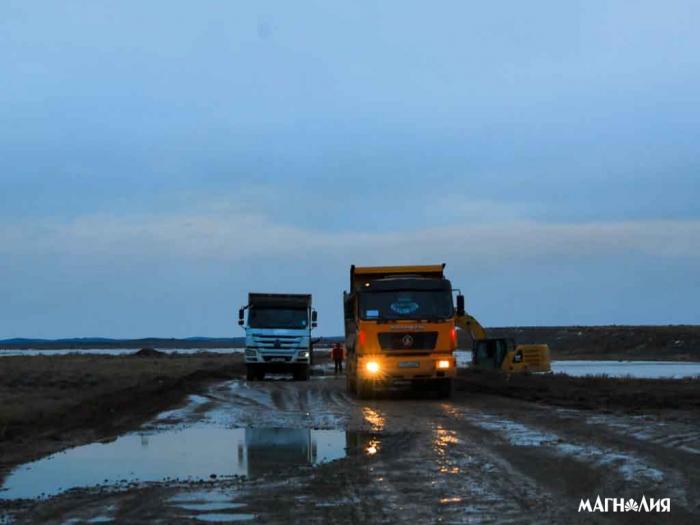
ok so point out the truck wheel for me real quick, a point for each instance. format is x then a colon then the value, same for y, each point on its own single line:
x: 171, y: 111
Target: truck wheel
x: 364, y: 389
x: 350, y: 384
x: 250, y: 374
x: 302, y: 374
x: 445, y: 388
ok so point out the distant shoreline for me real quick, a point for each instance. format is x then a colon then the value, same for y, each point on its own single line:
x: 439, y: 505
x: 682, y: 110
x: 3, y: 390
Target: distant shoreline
x: 667, y: 342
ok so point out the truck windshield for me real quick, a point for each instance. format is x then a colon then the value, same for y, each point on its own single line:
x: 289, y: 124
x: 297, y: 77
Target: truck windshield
x: 406, y: 304
x: 291, y: 318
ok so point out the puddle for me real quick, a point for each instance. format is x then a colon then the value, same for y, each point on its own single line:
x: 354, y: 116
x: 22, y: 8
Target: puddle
x: 201, y: 452
x: 222, y: 518
x: 210, y: 506
x: 637, y: 369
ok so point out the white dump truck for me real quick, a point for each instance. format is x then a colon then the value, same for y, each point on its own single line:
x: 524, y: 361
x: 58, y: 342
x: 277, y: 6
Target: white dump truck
x: 277, y: 334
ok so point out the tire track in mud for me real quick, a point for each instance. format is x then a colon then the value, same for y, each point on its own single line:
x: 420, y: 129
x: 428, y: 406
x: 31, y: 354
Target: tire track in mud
x: 279, y: 403
x: 443, y: 476
x: 599, y: 459
x: 648, y: 428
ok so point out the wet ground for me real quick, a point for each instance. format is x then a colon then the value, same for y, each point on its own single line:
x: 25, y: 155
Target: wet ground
x: 305, y: 452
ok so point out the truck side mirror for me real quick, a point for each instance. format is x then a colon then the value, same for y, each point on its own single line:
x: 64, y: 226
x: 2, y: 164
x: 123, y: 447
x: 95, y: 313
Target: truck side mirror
x: 314, y: 318
x: 241, y: 317
x: 460, y: 304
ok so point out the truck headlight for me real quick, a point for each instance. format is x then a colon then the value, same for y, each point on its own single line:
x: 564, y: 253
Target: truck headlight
x: 304, y: 354
x: 372, y: 367
x: 443, y: 363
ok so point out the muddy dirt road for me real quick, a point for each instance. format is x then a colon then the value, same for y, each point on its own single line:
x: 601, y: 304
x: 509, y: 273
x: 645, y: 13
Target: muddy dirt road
x: 283, y: 451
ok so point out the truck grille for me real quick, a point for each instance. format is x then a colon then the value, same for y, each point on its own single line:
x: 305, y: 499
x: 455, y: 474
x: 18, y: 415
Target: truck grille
x: 277, y: 342
x: 408, y: 340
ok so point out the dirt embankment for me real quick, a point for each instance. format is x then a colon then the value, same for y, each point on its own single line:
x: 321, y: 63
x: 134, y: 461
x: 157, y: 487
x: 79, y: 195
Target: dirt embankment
x: 592, y: 393
x: 654, y: 343
x: 50, y: 403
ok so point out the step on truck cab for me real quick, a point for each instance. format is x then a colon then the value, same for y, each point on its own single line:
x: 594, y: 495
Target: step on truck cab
x: 277, y: 334
x: 400, y: 329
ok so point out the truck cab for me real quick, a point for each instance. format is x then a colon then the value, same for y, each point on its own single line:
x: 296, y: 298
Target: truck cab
x: 399, y: 329
x: 278, y: 334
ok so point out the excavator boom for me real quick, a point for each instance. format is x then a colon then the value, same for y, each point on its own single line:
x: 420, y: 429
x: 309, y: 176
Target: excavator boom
x: 502, y: 353
x: 469, y: 324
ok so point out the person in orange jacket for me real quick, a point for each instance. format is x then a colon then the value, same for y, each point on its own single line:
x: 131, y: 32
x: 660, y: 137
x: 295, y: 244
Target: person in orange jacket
x: 337, y: 356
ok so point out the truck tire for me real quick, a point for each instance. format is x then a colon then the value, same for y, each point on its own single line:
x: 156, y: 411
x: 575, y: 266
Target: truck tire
x: 444, y: 388
x: 364, y: 389
x: 302, y: 373
x: 250, y: 373
x: 350, y: 384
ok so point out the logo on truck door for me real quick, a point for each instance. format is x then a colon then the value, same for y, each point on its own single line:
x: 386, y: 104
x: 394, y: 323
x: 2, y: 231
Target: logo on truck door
x: 407, y: 340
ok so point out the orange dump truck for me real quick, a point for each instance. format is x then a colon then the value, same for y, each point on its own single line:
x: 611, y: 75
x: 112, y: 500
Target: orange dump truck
x: 400, y: 329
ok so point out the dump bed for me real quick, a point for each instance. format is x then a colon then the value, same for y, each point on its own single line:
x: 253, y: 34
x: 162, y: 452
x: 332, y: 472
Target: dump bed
x: 359, y: 275
x: 279, y: 300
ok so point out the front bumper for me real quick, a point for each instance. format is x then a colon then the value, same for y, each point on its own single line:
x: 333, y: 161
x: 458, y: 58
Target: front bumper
x: 406, y: 369
x: 268, y: 357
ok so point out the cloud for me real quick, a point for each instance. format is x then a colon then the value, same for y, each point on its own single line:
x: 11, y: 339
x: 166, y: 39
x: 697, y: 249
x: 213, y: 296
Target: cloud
x: 230, y: 235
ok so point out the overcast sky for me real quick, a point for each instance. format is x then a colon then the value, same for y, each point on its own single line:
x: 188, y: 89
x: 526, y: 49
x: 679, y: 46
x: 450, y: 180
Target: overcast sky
x: 160, y: 159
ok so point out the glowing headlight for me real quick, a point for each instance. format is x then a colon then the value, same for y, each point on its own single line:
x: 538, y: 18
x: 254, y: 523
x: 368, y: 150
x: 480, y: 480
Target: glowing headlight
x: 303, y: 354
x: 443, y: 363
x: 372, y: 367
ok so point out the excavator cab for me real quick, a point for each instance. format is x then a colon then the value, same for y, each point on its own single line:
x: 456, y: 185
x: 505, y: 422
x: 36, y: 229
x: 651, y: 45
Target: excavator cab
x: 491, y: 353
x: 503, y: 354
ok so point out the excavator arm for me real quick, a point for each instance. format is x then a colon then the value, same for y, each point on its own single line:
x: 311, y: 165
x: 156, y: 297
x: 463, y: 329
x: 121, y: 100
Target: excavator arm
x: 469, y: 324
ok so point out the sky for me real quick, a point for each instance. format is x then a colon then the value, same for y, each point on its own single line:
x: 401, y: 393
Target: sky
x: 159, y: 160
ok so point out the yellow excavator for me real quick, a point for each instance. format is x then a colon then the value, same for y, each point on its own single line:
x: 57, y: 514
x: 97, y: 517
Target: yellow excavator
x: 501, y: 353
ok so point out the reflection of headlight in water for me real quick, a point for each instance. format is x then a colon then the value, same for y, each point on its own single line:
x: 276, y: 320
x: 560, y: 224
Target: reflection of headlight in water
x: 372, y: 447
x: 374, y: 418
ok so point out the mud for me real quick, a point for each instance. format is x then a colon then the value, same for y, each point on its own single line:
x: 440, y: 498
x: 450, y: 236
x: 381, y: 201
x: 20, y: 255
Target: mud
x: 476, y: 458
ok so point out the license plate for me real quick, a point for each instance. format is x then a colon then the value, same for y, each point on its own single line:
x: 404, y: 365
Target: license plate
x: 278, y: 360
x: 409, y: 364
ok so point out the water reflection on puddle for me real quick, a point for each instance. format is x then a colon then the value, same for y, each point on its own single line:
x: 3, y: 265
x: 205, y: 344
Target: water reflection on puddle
x: 198, y: 452
x: 211, y: 506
